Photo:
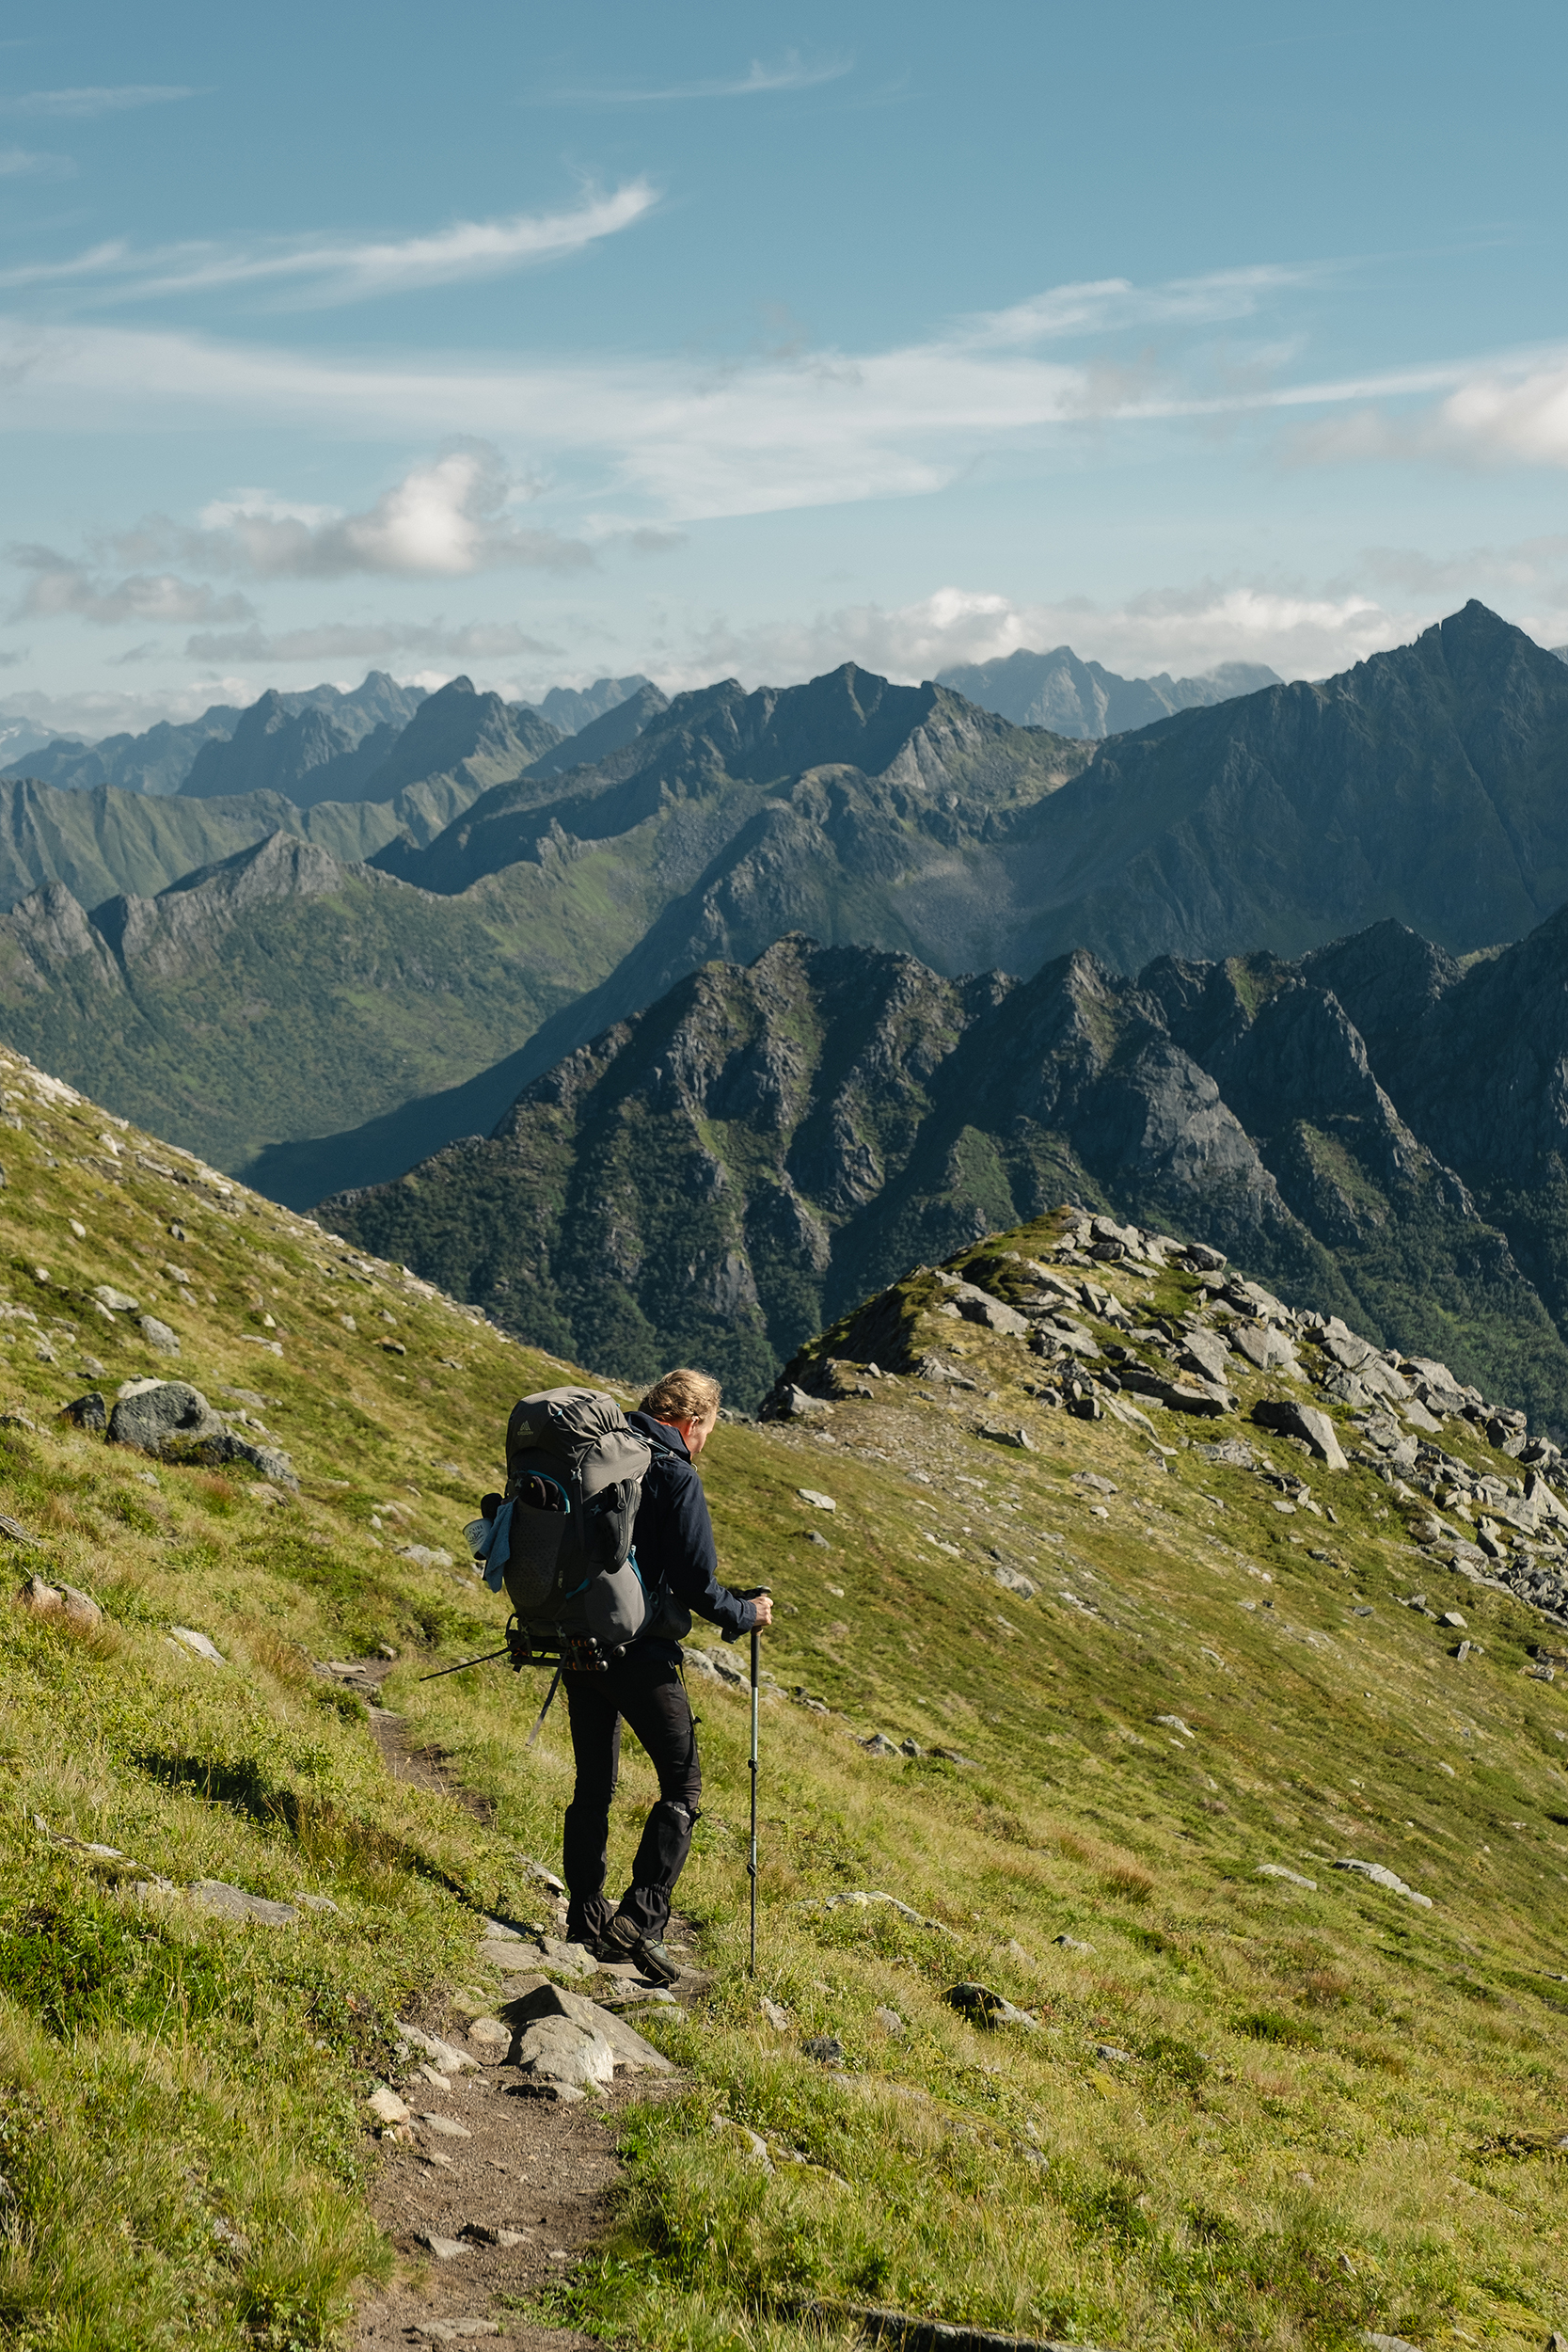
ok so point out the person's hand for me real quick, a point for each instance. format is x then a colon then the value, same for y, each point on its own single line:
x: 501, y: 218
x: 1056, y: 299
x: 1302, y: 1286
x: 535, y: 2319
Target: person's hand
x: 763, y: 1608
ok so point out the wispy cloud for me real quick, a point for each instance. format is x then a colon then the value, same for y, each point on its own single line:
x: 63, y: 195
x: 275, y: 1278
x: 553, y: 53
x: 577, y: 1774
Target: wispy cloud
x: 448, y: 516
x: 1297, y: 630
x: 82, y: 106
x: 791, y: 73
x: 373, y: 641
x: 57, y: 585
x: 20, y: 163
x: 1101, y: 305
x: 320, y: 271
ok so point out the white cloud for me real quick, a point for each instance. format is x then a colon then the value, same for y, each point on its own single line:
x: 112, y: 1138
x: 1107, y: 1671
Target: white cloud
x: 761, y: 80
x: 1099, y: 306
x: 84, y: 106
x: 1184, y: 631
x: 445, y: 518
x: 20, y: 163
x: 59, y: 586
x: 373, y: 641
x: 320, y: 270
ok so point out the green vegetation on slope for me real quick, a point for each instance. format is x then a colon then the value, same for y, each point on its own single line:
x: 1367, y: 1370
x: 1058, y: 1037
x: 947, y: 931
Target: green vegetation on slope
x: 1253, y: 2113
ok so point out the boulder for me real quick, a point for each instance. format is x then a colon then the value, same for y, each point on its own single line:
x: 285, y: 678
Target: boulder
x: 86, y: 1412
x: 556, y: 2051
x: 1265, y: 1347
x: 983, y: 2006
x: 1302, y: 1420
x: 632, y: 2054
x: 115, y: 1302
x: 148, y: 1413
x: 979, y: 1306
x: 158, y: 1335
x: 59, y: 1601
x: 1205, y: 1352
x: 235, y: 1902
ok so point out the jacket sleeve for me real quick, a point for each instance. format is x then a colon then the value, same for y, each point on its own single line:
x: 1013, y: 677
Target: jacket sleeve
x: 693, y: 1577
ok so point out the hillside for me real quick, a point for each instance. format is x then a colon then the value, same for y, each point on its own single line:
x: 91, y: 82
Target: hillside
x: 1096, y: 1713
x: 1370, y: 1130
x: 1083, y: 699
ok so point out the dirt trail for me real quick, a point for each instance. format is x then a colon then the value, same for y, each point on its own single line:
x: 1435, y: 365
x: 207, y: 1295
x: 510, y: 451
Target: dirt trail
x: 513, y: 2187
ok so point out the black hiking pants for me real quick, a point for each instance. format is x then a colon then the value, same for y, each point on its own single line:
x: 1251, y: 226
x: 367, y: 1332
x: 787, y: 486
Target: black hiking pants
x: 644, y: 1690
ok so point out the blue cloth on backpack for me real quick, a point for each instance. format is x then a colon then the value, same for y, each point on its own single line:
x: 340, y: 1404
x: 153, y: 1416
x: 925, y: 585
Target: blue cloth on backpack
x: 496, y: 1549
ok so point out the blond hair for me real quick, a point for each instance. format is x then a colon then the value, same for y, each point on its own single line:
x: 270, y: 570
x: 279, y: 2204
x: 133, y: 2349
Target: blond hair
x: 683, y: 1395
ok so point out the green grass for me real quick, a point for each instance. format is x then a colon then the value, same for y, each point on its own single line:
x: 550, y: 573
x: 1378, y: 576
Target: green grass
x: 1336, y: 2111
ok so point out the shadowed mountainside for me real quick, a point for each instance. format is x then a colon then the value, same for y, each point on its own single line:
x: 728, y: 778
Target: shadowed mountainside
x: 720, y: 1175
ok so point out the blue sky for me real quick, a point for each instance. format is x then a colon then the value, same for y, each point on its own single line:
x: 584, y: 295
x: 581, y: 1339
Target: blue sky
x: 544, y: 343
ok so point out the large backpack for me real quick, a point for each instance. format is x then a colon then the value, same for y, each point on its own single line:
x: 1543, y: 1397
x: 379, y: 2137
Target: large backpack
x: 562, y: 1540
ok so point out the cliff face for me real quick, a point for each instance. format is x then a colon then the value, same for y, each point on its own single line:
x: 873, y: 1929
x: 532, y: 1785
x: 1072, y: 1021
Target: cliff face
x: 736, y: 1165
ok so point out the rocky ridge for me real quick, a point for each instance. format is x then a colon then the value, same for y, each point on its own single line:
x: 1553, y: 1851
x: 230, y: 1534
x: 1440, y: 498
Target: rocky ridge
x: 1237, y: 1358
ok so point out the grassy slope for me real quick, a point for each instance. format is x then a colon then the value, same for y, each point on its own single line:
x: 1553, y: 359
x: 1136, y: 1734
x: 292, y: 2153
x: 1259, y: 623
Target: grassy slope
x: 1336, y: 2111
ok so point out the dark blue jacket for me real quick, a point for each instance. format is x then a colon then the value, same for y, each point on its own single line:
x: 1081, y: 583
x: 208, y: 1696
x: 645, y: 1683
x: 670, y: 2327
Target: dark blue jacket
x: 673, y: 1542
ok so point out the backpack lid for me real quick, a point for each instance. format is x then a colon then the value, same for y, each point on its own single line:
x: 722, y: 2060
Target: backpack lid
x: 585, y: 1428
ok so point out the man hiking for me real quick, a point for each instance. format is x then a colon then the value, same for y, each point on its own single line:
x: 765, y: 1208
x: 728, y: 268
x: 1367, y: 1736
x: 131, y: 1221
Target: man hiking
x: 672, y: 1541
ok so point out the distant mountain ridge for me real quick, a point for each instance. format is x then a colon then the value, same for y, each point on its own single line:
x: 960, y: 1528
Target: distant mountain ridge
x: 1426, y: 784
x: 321, y: 743
x: 1082, y: 700
x: 721, y: 1173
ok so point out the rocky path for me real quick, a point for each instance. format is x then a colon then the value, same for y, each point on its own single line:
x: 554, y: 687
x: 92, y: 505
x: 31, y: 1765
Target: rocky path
x: 496, y: 2177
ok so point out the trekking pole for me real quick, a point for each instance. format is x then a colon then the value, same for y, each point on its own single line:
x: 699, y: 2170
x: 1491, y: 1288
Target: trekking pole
x: 465, y: 1664
x: 751, y: 1858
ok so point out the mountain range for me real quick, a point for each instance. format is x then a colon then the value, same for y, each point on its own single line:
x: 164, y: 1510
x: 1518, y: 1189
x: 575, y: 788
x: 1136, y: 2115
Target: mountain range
x: 1081, y: 699
x: 317, y: 744
x: 1423, y: 785
x: 1374, y: 1127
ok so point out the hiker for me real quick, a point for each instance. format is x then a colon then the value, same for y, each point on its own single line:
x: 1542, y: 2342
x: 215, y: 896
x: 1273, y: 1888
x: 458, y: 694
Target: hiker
x: 675, y: 1557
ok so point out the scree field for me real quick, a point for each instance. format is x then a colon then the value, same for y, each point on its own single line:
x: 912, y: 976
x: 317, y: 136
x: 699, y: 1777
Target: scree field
x: 1242, y: 2109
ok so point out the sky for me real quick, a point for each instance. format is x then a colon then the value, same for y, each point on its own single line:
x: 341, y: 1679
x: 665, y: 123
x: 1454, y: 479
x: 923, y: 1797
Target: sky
x: 546, y: 344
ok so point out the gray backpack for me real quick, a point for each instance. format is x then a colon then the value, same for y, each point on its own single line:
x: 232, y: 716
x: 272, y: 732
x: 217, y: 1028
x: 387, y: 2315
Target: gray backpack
x: 561, y: 1541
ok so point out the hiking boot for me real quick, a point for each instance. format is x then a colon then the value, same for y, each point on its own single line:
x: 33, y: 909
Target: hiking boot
x: 623, y: 1941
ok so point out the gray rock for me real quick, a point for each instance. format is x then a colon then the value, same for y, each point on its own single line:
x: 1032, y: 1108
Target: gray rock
x: 556, y: 2051
x: 1265, y: 1347
x: 1233, y: 1451
x: 1072, y: 1944
x: 1205, y: 1352
x: 1293, y: 1420
x: 979, y: 1306
x: 632, y: 2055
x: 879, y: 1745
x: 198, y: 1644
x: 1013, y: 1580
x: 1108, y: 2050
x: 1094, y: 1481
x: 234, y: 1902
x: 59, y: 1601
x: 150, y: 1413
x: 890, y: 2021
x: 1387, y: 2343
x: 442, y: 2055
x: 1383, y: 1877
x: 996, y: 1435
x: 459, y: 2331
x: 1277, y: 1871
x: 446, y: 2249
x: 445, y: 2127
x: 158, y: 1335
x: 490, y: 2034
x: 778, y: 2018
x: 826, y: 2048
x: 982, y: 2007
x: 117, y: 1302
x: 793, y: 1404
x: 86, y: 1412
